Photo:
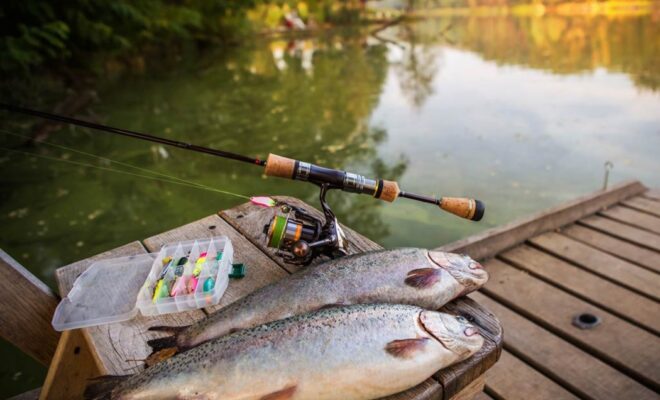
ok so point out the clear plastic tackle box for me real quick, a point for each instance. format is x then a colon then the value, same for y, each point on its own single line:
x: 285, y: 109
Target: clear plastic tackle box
x: 186, y: 275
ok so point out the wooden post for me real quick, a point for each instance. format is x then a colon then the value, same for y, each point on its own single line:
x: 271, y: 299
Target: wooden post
x: 26, y: 310
x: 73, y: 365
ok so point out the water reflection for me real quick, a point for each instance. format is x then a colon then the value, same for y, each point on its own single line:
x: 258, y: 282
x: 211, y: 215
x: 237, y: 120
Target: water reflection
x: 564, y: 45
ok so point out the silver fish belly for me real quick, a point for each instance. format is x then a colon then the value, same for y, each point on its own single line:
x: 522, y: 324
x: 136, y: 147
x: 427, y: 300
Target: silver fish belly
x: 353, y: 352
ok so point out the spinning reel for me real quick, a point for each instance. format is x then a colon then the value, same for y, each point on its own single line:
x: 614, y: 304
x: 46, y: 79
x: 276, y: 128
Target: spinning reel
x: 300, y: 236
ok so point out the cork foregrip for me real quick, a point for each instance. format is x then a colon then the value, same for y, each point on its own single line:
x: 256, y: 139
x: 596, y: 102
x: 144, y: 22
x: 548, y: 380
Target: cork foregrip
x: 390, y: 191
x: 459, y: 206
x: 280, y: 166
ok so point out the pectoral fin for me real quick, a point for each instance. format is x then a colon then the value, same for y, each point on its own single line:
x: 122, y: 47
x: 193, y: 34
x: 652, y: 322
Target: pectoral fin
x: 423, y: 278
x: 406, y: 348
x: 284, y: 394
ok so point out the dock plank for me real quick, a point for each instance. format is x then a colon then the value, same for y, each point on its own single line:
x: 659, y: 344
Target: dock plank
x: 633, y: 217
x: 615, y: 269
x: 623, y: 231
x: 565, y: 363
x: 653, y: 194
x: 621, y: 344
x: 643, y: 204
x: 639, y: 255
x: 512, y: 379
x: 482, y: 396
x: 121, y: 347
x: 603, y: 293
x: 261, y: 269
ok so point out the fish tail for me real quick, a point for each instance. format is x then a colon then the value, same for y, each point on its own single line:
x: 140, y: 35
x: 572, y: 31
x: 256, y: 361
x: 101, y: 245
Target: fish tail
x: 100, y: 388
x: 165, y: 347
x: 162, y: 343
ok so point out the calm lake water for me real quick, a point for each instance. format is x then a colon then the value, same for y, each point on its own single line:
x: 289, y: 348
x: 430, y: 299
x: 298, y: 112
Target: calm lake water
x: 521, y: 113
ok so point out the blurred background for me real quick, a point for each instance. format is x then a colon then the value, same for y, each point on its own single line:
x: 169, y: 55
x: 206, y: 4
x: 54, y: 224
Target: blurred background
x: 519, y: 103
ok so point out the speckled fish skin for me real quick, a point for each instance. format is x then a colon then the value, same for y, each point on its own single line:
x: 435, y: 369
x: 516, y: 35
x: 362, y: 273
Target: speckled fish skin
x: 351, y: 353
x: 428, y: 279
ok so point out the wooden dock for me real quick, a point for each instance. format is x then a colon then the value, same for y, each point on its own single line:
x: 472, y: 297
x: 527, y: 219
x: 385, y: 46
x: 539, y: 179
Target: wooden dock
x: 597, y: 255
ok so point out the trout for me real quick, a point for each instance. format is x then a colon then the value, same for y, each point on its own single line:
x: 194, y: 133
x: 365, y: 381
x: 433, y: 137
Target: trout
x: 428, y: 279
x: 362, y: 351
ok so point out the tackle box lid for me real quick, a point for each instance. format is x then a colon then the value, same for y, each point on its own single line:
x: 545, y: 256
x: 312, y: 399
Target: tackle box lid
x: 106, y: 292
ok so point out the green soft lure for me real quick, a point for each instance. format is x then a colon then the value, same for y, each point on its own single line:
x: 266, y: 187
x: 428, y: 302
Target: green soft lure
x: 209, y: 284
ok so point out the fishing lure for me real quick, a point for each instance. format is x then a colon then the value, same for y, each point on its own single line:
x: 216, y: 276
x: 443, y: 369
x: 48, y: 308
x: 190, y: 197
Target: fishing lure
x: 199, y: 264
x: 263, y: 201
x: 209, y: 284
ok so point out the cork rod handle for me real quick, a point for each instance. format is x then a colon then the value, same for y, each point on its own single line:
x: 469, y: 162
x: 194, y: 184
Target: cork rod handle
x: 463, y: 207
x: 279, y: 166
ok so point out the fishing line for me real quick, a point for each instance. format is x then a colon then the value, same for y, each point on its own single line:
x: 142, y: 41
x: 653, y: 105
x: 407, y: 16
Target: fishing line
x: 109, y: 160
x: 170, y: 178
x: 178, y: 182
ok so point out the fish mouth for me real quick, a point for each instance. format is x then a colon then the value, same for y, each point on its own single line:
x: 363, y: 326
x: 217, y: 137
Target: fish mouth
x: 470, y: 331
x: 475, y: 265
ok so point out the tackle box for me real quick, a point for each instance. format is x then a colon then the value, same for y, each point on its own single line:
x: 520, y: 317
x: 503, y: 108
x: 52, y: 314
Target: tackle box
x: 114, y: 290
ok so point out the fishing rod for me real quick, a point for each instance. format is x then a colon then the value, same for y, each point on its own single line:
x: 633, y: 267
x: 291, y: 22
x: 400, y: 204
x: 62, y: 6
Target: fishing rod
x: 299, y: 234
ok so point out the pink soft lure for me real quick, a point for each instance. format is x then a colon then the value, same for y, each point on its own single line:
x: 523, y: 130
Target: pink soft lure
x: 263, y: 201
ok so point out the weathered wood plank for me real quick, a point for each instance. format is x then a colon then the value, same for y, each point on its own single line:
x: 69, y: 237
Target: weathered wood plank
x: 623, y: 231
x: 566, y: 364
x: 653, y: 194
x: 482, y: 396
x: 512, y: 379
x: 73, y: 365
x: 492, y: 241
x: 639, y: 255
x: 643, y: 204
x: 471, y: 390
x: 427, y: 390
x: 620, y: 301
x: 26, y: 309
x: 121, y: 347
x: 631, y: 276
x: 615, y: 341
x: 633, y: 217
x: 249, y: 220
x: 261, y: 270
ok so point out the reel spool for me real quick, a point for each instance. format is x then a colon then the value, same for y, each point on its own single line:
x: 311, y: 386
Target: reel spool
x: 300, y: 237
x: 288, y: 234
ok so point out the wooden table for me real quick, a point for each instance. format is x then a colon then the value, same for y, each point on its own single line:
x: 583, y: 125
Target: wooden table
x: 120, y: 348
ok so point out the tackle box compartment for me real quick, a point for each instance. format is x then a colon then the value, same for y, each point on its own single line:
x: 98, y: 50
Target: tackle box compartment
x: 115, y: 289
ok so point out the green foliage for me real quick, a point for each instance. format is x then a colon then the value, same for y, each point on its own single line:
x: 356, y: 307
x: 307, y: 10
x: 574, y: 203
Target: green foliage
x: 34, y: 32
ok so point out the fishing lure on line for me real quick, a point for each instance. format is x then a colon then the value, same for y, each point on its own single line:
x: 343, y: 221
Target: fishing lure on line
x: 296, y: 233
